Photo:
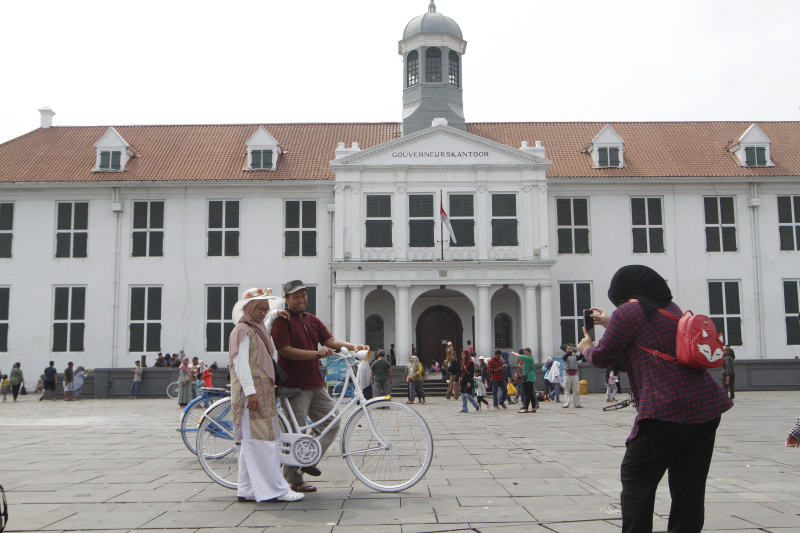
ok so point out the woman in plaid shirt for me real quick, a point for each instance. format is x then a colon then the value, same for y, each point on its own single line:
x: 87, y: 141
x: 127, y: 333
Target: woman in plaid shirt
x: 679, y: 407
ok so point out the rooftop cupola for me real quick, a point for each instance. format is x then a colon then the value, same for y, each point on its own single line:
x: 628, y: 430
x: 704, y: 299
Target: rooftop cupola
x: 432, y: 48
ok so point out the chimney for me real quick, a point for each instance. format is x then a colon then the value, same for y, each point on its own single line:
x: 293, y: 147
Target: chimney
x: 47, y: 117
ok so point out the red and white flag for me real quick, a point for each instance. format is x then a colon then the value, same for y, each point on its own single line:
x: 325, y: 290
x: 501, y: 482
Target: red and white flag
x: 446, y: 221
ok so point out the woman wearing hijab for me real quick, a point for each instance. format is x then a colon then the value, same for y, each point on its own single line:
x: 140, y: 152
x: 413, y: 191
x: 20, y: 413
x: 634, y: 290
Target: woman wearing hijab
x: 554, y: 375
x: 415, y: 374
x: 451, y: 364
x: 78, y: 379
x: 255, y: 414
x: 679, y: 407
x: 185, y: 381
x: 16, y: 379
x: 467, y: 376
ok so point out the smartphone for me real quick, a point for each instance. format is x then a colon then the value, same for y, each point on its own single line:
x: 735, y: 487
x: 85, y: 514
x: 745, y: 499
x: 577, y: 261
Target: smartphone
x: 588, y: 322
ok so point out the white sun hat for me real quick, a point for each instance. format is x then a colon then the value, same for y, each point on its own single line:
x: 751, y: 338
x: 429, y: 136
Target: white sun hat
x: 253, y: 294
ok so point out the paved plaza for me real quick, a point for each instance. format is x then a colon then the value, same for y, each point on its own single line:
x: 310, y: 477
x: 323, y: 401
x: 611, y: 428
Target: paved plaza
x: 119, y: 465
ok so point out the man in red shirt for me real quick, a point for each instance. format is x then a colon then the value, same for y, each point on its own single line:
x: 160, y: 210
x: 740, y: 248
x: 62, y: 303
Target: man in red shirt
x: 498, y: 379
x: 298, y: 341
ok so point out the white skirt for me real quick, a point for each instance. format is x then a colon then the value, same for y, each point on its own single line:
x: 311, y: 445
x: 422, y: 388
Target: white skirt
x: 260, y: 475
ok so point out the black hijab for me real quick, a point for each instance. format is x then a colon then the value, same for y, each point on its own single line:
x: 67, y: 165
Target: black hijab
x: 642, y: 283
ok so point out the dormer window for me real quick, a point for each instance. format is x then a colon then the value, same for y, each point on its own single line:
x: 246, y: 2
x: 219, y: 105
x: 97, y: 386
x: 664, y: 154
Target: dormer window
x: 606, y: 149
x: 113, y: 152
x: 752, y: 150
x: 262, y: 151
x: 110, y: 160
x: 261, y: 159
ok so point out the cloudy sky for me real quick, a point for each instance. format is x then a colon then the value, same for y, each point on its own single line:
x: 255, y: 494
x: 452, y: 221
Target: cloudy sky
x: 201, y: 62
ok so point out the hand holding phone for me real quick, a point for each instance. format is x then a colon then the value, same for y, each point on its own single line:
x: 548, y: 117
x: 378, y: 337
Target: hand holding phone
x: 588, y: 322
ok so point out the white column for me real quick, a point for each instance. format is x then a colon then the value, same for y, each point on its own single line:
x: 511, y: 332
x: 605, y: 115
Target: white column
x: 339, y: 213
x: 340, y: 311
x: 400, y: 218
x: 543, y: 239
x: 483, y: 218
x: 547, y: 322
x: 531, y: 329
x: 529, y: 224
x: 402, y: 313
x: 484, y: 344
x: 356, y: 317
x: 355, y: 225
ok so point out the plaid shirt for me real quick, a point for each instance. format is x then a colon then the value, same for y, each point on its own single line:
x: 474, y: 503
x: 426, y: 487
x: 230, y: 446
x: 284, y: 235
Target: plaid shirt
x: 795, y: 431
x: 496, y: 370
x: 663, y: 390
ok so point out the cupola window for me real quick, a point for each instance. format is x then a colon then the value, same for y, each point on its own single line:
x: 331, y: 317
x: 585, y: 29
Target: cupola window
x: 453, y: 68
x: 412, y: 68
x: 433, y: 65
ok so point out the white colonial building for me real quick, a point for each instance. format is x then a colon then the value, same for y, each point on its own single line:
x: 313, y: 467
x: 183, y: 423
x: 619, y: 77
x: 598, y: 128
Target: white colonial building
x: 119, y: 241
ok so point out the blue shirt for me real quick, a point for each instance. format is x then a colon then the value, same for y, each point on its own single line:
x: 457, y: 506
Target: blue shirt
x: 50, y: 373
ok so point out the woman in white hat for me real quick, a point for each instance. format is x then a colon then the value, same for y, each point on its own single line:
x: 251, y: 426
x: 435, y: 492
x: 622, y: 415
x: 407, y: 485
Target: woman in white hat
x: 255, y: 415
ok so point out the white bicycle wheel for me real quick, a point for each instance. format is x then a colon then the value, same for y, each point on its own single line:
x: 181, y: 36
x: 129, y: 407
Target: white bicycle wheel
x: 409, y: 449
x: 216, y: 448
x: 173, y: 389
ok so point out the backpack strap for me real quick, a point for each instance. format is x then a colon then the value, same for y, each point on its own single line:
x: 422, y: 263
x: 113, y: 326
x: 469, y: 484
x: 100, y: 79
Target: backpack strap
x: 663, y: 356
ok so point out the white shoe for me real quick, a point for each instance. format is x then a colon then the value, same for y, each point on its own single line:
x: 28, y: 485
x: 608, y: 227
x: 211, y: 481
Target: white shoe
x: 291, y: 496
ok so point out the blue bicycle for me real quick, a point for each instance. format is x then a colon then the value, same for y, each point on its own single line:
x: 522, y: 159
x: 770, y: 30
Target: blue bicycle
x: 191, y: 414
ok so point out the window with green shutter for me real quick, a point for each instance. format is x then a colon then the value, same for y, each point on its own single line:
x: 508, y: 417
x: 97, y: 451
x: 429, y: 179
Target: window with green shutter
x: 5, y: 293
x: 647, y: 225
x: 573, y: 299
x: 147, y: 239
x: 223, y: 228
x: 144, y: 328
x: 261, y: 160
x: 462, y: 218
x: 725, y: 310
x: 69, y: 312
x: 420, y: 220
x: 6, y: 228
x: 572, y: 221
x: 789, y: 222
x: 110, y: 160
x: 791, y: 305
x: 755, y: 156
x: 608, y: 157
x: 219, y: 305
x: 379, y: 221
x: 720, y: 224
x: 300, y: 228
x: 504, y: 220
x: 72, y: 223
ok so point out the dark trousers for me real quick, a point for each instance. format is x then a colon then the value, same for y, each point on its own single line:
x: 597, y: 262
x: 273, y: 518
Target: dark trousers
x: 498, y: 392
x: 683, y: 450
x: 15, y: 390
x: 530, y: 395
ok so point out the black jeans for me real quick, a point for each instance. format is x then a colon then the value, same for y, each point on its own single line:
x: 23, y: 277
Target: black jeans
x: 685, y: 451
x: 530, y: 395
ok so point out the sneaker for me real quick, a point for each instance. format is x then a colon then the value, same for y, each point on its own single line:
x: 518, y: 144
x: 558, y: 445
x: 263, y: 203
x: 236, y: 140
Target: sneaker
x: 503, y: 406
x: 578, y: 407
x: 291, y: 496
x: 565, y: 406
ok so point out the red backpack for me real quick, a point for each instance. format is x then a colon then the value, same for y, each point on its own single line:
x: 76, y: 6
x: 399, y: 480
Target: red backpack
x: 697, y: 343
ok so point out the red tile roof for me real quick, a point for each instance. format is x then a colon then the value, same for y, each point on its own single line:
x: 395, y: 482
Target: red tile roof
x: 217, y: 152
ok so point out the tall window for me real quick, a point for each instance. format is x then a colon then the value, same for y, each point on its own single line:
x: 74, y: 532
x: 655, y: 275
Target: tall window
x: 789, y: 222
x: 791, y: 305
x: 720, y: 224
x: 219, y: 304
x: 223, y: 228
x: 311, y: 306
x: 148, y: 229
x: 462, y: 218
x: 574, y: 298
x: 608, y: 157
x: 412, y: 68
x: 145, y: 321
x: 420, y: 220
x: 504, y: 220
x: 502, y: 331
x: 648, y: 225
x: 453, y: 72
x: 69, y: 308
x: 379, y: 221
x: 572, y: 218
x: 261, y: 159
x: 300, y: 234
x: 110, y: 160
x: 725, y: 310
x: 755, y: 156
x: 4, y: 300
x: 6, y: 228
x: 433, y: 65
x: 71, y: 229
x: 374, y: 329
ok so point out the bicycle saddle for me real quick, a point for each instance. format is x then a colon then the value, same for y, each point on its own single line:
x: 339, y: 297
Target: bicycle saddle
x: 284, y: 392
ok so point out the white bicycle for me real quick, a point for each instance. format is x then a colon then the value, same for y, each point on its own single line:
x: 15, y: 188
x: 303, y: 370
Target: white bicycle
x: 387, y: 445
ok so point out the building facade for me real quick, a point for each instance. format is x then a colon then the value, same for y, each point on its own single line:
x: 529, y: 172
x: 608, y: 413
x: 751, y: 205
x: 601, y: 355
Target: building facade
x: 129, y: 240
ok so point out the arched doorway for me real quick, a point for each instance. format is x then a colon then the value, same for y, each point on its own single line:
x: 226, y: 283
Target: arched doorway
x: 435, y: 326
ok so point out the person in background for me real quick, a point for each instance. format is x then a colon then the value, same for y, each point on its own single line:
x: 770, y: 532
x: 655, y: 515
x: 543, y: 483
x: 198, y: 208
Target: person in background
x: 208, y: 375
x: 185, y: 383
x: 679, y: 408
x: 5, y: 385
x: 467, y: 373
x: 548, y: 386
x: 793, y: 438
x: 16, y: 379
x: 381, y: 371
x: 451, y: 363
x: 79, y: 378
x: 160, y: 361
x: 554, y: 375
x: 364, y: 377
x: 392, y: 358
x: 728, y: 372
x: 611, y: 386
x: 69, y: 382
x: 137, y: 380
x: 572, y: 386
x: 528, y: 380
x: 479, y: 386
x: 415, y: 375
x: 497, y: 379
x: 49, y: 381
